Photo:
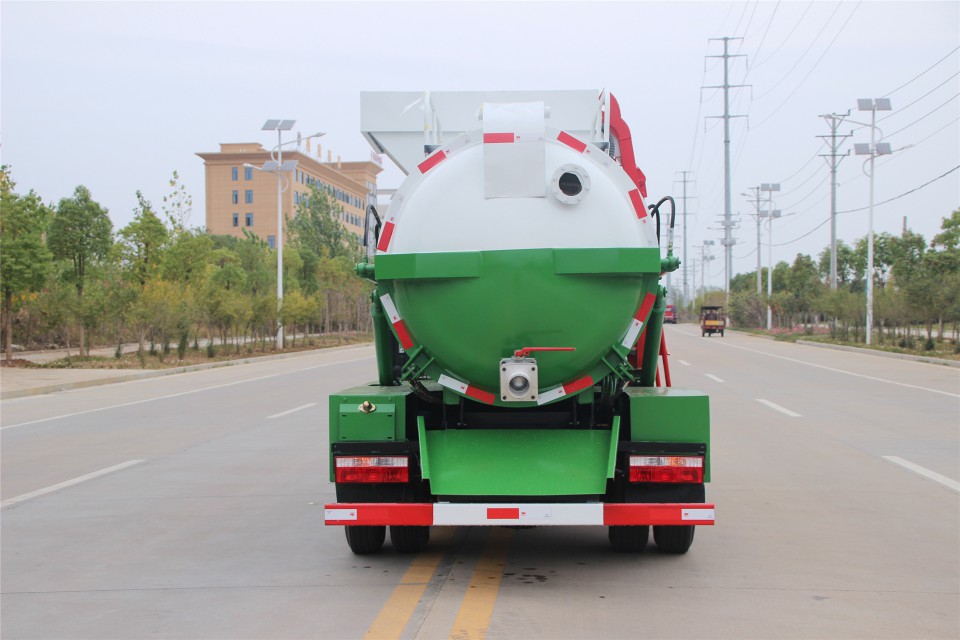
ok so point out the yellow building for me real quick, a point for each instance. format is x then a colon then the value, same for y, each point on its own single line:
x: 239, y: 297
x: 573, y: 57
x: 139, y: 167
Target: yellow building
x: 240, y: 198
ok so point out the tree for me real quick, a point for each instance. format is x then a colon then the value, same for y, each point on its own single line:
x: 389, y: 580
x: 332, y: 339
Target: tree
x: 317, y: 227
x: 25, y: 261
x: 142, y: 243
x: 80, y: 233
x: 178, y: 205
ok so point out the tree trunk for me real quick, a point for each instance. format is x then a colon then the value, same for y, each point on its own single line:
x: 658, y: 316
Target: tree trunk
x: 8, y: 324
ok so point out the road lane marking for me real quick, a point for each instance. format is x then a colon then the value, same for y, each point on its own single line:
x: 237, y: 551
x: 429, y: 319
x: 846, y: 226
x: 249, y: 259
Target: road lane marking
x: 406, y: 596
x: 713, y: 377
x: 776, y: 407
x: 294, y: 410
x: 68, y: 483
x: 849, y: 373
x: 926, y: 473
x: 473, y: 619
x: 684, y: 363
x: 177, y: 395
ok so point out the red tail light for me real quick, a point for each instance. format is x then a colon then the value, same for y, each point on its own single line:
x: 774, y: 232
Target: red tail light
x: 666, y: 469
x: 372, y: 469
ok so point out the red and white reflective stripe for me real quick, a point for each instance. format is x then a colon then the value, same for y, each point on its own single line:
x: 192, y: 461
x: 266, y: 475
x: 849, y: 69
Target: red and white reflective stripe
x: 499, y: 138
x: 432, y: 161
x: 385, y: 235
x: 636, y: 325
x: 543, y: 514
x: 637, y: 201
x: 403, y: 335
x: 466, y: 389
x: 571, y: 142
x: 565, y: 390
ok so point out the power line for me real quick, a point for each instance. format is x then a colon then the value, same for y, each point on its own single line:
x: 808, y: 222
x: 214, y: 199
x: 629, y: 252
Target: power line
x: 921, y: 74
x: 905, y: 193
x: 765, y: 32
x: 901, y: 109
x: 786, y: 38
x: 952, y: 98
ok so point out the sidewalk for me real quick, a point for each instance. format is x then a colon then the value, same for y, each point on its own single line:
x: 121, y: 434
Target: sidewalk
x: 18, y: 382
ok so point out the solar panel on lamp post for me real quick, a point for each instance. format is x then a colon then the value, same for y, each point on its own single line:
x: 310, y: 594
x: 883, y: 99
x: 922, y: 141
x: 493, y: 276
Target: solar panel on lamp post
x: 873, y: 150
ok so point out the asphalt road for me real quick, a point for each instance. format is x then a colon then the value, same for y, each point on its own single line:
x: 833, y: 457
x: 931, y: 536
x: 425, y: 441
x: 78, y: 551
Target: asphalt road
x: 191, y: 506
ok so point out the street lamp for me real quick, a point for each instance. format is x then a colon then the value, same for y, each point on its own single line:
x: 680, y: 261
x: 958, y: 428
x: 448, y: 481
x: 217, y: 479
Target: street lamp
x: 278, y: 166
x: 873, y: 150
x: 704, y: 258
x: 770, y: 215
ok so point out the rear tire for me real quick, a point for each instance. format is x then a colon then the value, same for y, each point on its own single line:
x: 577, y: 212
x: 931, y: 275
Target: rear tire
x: 673, y: 539
x: 721, y: 334
x: 409, y: 539
x: 365, y: 539
x: 628, y: 539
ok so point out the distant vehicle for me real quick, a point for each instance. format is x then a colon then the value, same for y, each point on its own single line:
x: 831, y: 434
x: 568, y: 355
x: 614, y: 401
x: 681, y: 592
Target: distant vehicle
x: 712, y: 320
x: 670, y: 315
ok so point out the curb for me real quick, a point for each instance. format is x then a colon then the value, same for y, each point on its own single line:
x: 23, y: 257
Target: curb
x: 883, y: 354
x: 156, y: 373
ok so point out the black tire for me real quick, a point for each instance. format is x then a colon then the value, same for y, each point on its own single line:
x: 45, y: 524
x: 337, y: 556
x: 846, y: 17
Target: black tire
x: 721, y: 334
x: 365, y: 539
x: 673, y: 539
x: 629, y: 539
x: 409, y: 539
x: 703, y: 334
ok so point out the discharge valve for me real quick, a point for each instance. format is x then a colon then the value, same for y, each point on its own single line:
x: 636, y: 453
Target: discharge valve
x: 519, y: 381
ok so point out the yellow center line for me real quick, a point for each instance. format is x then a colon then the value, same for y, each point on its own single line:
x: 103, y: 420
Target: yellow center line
x: 396, y: 612
x: 473, y: 619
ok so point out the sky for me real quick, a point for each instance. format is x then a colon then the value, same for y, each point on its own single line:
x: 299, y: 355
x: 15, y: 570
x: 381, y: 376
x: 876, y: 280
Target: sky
x: 118, y: 95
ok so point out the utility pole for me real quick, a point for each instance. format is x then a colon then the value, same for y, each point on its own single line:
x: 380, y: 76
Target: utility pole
x: 756, y: 206
x: 683, y: 260
x: 728, y: 240
x: 833, y: 159
x: 704, y: 258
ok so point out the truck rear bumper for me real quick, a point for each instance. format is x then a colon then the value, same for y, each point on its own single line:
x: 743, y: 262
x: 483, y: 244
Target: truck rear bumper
x: 506, y: 514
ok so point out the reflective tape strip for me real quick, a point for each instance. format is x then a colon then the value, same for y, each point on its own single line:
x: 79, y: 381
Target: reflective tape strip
x: 385, y: 235
x: 544, y: 514
x: 403, y: 334
x: 466, y: 389
x: 494, y: 138
x: 637, y: 201
x: 551, y: 395
x: 571, y: 142
x: 636, y: 324
x: 577, y: 385
x: 339, y: 514
x: 432, y: 161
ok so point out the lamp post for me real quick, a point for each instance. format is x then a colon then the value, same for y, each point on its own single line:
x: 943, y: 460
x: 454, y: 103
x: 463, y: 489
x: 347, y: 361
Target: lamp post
x: 704, y: 258
x: 770, y: 215
x: 874, y: 149
x: 280, y: 167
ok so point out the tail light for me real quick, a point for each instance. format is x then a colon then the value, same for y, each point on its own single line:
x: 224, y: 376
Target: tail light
x: 666, y: 469
x: 372, y: 469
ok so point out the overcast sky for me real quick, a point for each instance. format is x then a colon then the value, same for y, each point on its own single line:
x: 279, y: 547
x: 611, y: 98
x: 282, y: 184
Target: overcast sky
x: 116, y: 96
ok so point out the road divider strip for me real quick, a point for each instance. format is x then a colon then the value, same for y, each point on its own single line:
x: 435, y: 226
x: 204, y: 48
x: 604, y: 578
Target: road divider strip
x: 776, y: 407
x: 713, y: 377
x: 395, y: 615
x: 294, y: 410
x: 950, y: 483
x: 68, y: 483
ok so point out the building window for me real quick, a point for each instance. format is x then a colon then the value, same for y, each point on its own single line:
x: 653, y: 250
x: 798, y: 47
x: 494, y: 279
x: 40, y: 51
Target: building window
x: 248, y: 219
x: 272, y: 242
x: 236, y: 219
x: 248, y: 173
x: 236, y: 197
x: 248, y: 196
x: 296, y: 197
x: 235, y: 171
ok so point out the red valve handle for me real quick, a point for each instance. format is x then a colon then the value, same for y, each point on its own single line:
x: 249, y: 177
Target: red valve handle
x: 523, y: 353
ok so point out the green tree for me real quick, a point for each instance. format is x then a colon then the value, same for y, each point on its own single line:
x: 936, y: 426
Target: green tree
x: 178, y: 205
x: 80, y: 233
x: 25, y: 261
x: 317, y: 227
x: 142, y: 243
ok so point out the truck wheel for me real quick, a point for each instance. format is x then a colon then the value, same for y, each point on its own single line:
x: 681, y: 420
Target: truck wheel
x: 673, y: 539
x: 629, y: 539
x: 721, y: 333
x: 365, y: 539
x: 409, y: 539
x: 703, y: 334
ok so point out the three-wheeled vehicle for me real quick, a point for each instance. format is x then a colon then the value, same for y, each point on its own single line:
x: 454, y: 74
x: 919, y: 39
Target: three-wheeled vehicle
x: 712, y: 320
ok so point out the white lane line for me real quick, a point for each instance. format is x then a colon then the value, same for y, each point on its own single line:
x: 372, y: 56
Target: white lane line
x: 926, y: 473
x: 68, y: 483
x: 294, y: 410
x: 684, y: 363
x: 177, y: 395
x: 849, y: 373
x: 776, y: 407
x: 713, y: 377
